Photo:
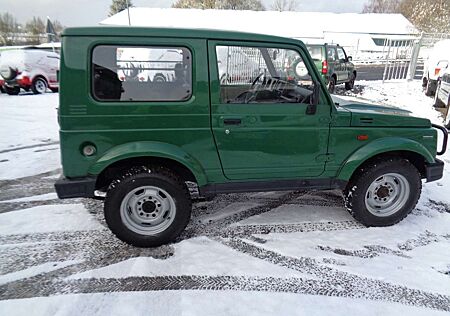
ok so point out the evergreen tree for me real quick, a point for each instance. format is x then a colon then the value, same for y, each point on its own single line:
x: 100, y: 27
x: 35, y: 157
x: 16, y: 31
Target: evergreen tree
x: 118, y: 6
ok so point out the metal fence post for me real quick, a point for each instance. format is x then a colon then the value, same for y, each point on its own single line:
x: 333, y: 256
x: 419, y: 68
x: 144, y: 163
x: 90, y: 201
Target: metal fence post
x: 414, y: 56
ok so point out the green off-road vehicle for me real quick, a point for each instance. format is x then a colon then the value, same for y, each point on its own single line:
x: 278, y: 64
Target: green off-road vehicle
x: 334, y: 65
x: 145, y: 111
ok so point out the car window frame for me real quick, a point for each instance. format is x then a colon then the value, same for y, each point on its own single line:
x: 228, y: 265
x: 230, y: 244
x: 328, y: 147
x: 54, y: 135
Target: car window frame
x: 343, y: 51
x: 90, y: 70
x: 214, y: 83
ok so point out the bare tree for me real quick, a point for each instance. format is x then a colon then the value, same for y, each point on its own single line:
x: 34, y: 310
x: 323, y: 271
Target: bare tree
x: 381, y: 6
x: 431, y: 16
x: 217, y: 4
x: 118, y: 6
x: 285, y: 5
x: 9, y: 27
x: 195, y: 4
x: 35, y: 26
x: 255, y: 5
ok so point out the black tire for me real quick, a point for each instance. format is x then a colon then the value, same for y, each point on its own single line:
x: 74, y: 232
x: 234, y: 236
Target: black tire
x: 39, y: 85
x: 332, y: 84
x: 357, y: 189
x: 12, y: 91
x: 156, y: 177
x: 54, y: 90
x: 430, y: 88
x: 159, y: 78
x: 437, y: 102
x: 351, y: 83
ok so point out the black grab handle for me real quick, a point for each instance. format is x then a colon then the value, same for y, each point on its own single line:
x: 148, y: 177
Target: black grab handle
x: 232, y: 121
x: 444, y: 145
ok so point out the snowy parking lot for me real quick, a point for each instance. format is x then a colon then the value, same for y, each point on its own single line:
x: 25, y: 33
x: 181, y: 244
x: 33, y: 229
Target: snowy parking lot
x: 282, y: 253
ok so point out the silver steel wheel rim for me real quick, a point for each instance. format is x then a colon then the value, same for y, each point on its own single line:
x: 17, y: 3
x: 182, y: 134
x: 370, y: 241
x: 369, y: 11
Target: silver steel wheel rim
x: 148, y: 210
x: 40, y: 85
x: 387, y: 194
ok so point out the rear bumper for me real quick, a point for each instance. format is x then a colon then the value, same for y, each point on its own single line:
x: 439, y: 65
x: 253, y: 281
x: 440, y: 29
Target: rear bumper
x: 434, y: 171
x: 77, y: 187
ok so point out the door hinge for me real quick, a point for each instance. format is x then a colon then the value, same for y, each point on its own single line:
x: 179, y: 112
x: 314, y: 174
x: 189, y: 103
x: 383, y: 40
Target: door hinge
x: 325, y: 158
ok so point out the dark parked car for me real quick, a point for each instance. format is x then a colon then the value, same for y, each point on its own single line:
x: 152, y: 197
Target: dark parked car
x: 334, y: 65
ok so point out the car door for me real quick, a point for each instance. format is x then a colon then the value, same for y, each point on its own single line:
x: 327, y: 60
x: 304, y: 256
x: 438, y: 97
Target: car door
x: 342, y: 59
x: 333, y: 65
x: 261, y: 135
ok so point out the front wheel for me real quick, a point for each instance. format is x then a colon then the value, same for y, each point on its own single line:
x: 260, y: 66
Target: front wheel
x: 384, y: 192
x: 39, y: 86
x: 351, y: 83
x: 147, y: 207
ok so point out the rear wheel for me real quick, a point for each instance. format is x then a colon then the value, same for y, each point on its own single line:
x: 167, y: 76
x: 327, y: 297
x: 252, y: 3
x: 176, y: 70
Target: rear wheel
x: 12, y: 90
x: 332, y: 85
x: 147, y: 207
x: 384, y: 192
x: 39, y: 85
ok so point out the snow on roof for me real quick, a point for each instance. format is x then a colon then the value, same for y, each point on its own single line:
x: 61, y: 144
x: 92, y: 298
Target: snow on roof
x: 287, y: 23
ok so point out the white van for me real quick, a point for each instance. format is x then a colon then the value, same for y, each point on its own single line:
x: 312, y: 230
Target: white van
x: 29, y: 68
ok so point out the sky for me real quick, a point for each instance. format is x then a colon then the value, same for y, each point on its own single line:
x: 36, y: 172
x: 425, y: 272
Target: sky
x: 90, y: 12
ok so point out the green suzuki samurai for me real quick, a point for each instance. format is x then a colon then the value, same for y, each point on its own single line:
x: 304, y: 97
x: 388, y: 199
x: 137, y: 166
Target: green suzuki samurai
x: 143, y: 111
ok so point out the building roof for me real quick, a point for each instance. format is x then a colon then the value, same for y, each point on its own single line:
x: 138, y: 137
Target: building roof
x: 288, y: 23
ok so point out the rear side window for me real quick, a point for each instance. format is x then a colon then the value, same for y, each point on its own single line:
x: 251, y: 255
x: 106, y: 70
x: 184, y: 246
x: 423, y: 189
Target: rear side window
x: 331, y: 53
x: 315, y: 52
x: 144, y: 73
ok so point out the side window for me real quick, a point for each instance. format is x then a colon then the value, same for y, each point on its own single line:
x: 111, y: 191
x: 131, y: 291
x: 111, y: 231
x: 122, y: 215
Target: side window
x: 262, y: 75
x: 126, y: 73
x: 331, y: 53
x: 341, y: 54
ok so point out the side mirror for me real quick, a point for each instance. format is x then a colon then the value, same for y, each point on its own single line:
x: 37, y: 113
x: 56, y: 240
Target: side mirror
x: 314, y: 99
x: 349, y: 58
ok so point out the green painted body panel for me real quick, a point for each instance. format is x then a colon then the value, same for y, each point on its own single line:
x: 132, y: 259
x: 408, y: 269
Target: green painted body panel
x: 150, y: 149
x: 274, y: 141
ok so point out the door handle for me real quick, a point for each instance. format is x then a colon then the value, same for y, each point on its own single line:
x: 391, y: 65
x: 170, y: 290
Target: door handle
x: 232, y: 121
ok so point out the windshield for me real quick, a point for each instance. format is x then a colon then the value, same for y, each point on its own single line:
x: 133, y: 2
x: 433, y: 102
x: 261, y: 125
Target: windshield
x: 262, y: 75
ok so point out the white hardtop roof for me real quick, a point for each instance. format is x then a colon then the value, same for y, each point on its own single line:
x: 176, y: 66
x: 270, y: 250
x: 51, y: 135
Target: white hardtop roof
x: 287, y: 23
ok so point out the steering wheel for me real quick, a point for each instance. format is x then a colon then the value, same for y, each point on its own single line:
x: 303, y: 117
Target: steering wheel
x: 256, y: 80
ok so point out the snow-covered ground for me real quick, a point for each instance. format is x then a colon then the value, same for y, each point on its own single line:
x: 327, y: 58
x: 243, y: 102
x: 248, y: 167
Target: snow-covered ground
x: 282, y: 253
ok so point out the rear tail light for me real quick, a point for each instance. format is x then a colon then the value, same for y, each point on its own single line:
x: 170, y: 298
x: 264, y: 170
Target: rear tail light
x: 25, y: 80
x: 324, y: 67
x: 436, y: 71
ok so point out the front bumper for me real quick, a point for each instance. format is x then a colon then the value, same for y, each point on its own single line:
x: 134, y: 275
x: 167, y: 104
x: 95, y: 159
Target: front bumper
x: 77, y: 187
x: 434, y: 171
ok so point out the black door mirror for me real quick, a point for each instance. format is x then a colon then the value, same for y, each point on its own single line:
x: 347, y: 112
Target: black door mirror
x: 314, y: 99
x: 349, y: 58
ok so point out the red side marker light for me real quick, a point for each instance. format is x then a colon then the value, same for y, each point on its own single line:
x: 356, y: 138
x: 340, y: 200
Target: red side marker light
x: 362, y: 137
